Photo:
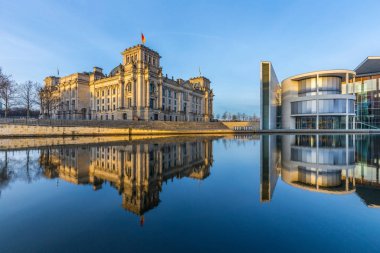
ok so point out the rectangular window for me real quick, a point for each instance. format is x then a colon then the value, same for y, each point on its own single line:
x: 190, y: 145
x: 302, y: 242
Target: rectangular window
x: 151, y: 103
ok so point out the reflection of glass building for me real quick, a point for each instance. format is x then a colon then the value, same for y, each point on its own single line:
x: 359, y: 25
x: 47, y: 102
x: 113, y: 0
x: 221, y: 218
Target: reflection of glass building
x: 270, y: 164
x: 332, y: 99
x: 319, y: 163
x: 367, y: 171
x: 137, y: 170
x: 334, y: 164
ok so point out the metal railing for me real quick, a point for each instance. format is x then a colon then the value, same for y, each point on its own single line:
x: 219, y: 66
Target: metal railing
x: 364, y: 124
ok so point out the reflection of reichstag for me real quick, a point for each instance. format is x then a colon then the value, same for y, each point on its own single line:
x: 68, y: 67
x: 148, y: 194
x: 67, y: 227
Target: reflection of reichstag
x: 334, y: 164
x: 137, y: 171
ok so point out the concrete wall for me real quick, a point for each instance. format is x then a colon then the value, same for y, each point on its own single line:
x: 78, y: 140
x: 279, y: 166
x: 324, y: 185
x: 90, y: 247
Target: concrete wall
x: 270, y: 99
x: 49, y: 131
x: 8, y: 130
x: 255, y: 125
x: 134, y: 128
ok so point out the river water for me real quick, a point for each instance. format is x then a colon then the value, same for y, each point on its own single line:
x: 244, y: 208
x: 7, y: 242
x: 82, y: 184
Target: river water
x: 245, y: 193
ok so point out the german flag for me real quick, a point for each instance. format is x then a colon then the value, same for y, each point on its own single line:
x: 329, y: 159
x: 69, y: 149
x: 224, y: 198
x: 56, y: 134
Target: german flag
x: 143, y: 40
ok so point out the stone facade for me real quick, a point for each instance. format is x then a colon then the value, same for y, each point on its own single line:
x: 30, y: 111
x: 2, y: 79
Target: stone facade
x: 134, y: 90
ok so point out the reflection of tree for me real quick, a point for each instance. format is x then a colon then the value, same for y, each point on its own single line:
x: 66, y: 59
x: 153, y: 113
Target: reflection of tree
x: 5, y: 175
x: 19, y: 166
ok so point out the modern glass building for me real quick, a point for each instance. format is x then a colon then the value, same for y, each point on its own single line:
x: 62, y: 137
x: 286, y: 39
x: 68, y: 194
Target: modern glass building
x: 330, y: 99
x: 366, y: 89
x: 315, y: 101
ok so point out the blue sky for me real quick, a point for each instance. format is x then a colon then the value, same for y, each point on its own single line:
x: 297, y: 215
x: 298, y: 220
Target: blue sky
x: 226, y: 39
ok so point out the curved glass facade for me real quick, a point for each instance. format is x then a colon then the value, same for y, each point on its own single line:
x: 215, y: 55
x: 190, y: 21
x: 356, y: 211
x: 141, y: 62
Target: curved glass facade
x: 327, y: 178
x: 306, y: 122
x: 307, y: 87
x: 323, y: 149
x: 326, y: 85
x: 324, y: 106
x: 325, y: 122
x: 333, y: 122
x: 323, y: 156
x: 304, y: 107
x: 332, y: 106
x: 327, y: 141
x: 330, y: 85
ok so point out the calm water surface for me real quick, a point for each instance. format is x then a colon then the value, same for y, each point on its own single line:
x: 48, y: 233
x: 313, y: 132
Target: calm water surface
x: 204, y: 194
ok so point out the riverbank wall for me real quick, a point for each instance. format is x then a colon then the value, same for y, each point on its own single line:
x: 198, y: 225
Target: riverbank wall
x: 54, y: 128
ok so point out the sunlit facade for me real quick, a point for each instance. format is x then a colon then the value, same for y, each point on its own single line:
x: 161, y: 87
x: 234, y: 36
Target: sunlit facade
x: 331, y: 99
x: 315, y: 101
x: 133, y: 90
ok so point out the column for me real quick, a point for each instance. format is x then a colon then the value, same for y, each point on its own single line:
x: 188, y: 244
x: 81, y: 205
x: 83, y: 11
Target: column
x: 139, y: 91
x: 134, y: 92
x: 206, y: 106
x: 147, y: 94
x: 353, y: 93
x: 317, y: 84
x: 179, y: 101
x: 122, y: 95
x: 316, y: 179
x: 159, y: 104
x: 347, y: 114
x: 117, y: 97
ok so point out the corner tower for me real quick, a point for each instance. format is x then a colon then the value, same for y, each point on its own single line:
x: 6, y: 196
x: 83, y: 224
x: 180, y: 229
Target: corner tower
x: 144, y: 74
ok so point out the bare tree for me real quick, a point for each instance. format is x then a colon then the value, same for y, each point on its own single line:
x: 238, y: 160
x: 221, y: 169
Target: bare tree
x: 224, y: 116
x: 47, y: 100
x: 7, y: 91
x: 28, y: 95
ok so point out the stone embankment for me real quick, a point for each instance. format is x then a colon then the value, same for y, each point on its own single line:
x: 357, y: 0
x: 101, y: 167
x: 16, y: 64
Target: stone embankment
x: 51, y: 128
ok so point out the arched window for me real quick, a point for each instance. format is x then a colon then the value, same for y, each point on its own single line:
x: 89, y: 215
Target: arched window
x: 129, y: 87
